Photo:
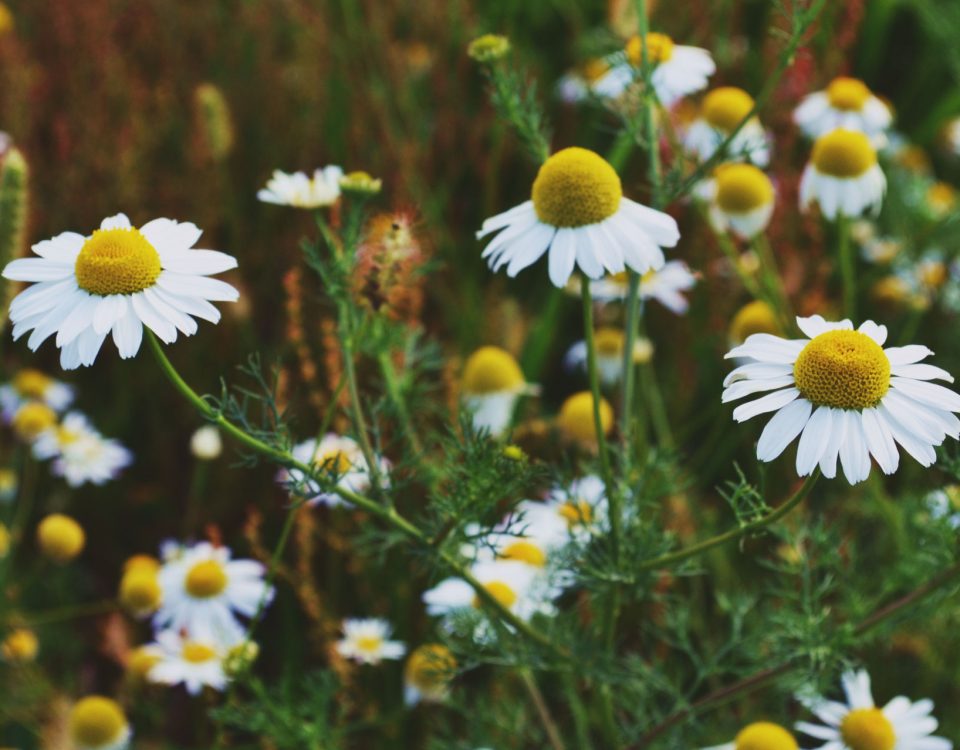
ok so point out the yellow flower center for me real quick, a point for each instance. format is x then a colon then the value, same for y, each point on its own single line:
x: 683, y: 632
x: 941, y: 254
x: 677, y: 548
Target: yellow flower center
x: 659, y: 49
x: 847, y: 94
x: 724, y: 108
x: 60, y: 537
x: 430, y: 666
x: 334, y: 461
x: 609, y: 342
x: 117, y: 261
x: 843, y: 153
x: 575, y: 419
x: 941, y: 197
x: 576, y: 513
x: 867, y: 729
x: 206, y: 579
x: 523, y: 550
x: 142, y: 660
x: 96, y: 721
x: 764, y: 735
x: 33, y: 418
x: 491, y: 370
x: 742, y: 188
x: 576, y: 187
x: 500, y: 591
x: 843, y: 369
x: 197, y: 653
x: 933, y: 273
x: 20, y: 646
x: 369, y: 643
x: 139, y: 590
x: 594, y: 70
x: 141, y: 561
x: 31, y: 383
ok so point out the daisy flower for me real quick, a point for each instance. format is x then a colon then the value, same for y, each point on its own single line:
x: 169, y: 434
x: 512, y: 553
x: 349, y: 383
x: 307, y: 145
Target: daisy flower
x: 665, y: 285
x: 845, y: 396
x: 860, y: 725
x: 576, y: 423
x: 761, y: 735
x: 843, y: 175
x: 194, y: 662
x: 301, y: 191
x: 339, y: 456
x: 116, y: 281
x: 722, y: 110
x: 366, y: 641
x: 203, y: 590
x: 846, y: 103
x: 577, y: 85
x: 428, y: 673
x: 952, y: 136
x: 80, y: 453
x: 33, y: 385
x: 677, y: 70
x: 98, y: 723
x: 492, y: 383
x: 609, y: 343
x: 741, y: 200
x: 568, y: 512
x: 579, y: 216
x: 754, y: 317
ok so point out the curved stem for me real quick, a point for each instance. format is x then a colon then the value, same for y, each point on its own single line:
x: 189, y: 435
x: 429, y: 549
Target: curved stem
x: 671, y: 558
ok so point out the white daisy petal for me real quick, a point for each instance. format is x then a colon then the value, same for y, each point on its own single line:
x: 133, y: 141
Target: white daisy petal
x: 780, y: 431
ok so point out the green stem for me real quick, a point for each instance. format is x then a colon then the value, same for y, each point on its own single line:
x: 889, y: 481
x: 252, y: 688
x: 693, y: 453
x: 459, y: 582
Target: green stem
x: 577, y: 711
x: 629, y: 369
x: 394, y: 392
x: 549, y: 725
x: 657, y: 407
x: 848, y: 269
x: 773, y: 281
x: 63, y: 614
x: 672, y: 558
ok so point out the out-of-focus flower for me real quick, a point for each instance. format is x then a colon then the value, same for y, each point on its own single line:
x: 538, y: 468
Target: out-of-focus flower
x: 576, y: 420
x: 33, y: 385
x: 845, y: 396
x: 33, y: 419
x: 388, y: 266
x: 7, y: 23
x: 142, y: 659
x: 952, y: 136
x: 568, y: 512
x: 945, y: 504
x: 579, y: 216
x: 4, y: 541
x: 342, y: 459
x: 860, y: 725
x: 206, y: 443
x: 665, y: 285
x: 676, y: 70
x: 81, y: 454
x: 60, y: 537
x: 492, y: 383
x: 140, y: 592
x: 761, y: 735
x: 240, y: 658
x: 301, y: 191
x: 741, y: 199
x: 215, y: 121
x: 881, y: 250
x: 203, y: 591
x: 360, y: 184
x: 577, y: 85
x: 428, y: 673
x: 21, y: 645
x: 753, y: 317
x: 941, y: 199
x: 609, y: 344
x: 846, y: 103
x: 196, y: 662
x: 489, y: 48
x: 98, y: 723
x: 117, y: 281
x: 843, y: 176
x: 368, y: 641
x: 723, y: 109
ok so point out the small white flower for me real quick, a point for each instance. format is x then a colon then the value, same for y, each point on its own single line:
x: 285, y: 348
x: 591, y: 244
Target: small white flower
x: 722, y: 111
x: 846, y: 103
x: 860, y: 725
x: 741, y: 199
x: 609, y: 344
x: 195, y: 662
x: 206, y: 443
x: 81, y: 454
x: 492, y: 384
x: 427, y: 674
x: 579, y: 216
x: 33, y: 385
x: 98, y: 723
x: 367, y: 641
x: 204, y: 590
x: 845, y: 396
x: 117, y: 281
x: 339, y: 456
x: 302, y: 191
x: 843, y: 176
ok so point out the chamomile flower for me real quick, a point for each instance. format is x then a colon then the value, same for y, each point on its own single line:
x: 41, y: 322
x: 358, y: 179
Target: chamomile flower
x: 677, y: 70
x: 843, y: 176
x: 609, y: 343
x: 299, y: 190
x: 665, y: 285
x: 723, y: 109
x: 579, y: 216
x: 492, y: 383
x: 342, y: 459
x: 60, y: 537
x: 859, y: 725
x: 577, y: 85
x: 761, y: 735
x: 845, y: 396
x: 846, y: 103
x: 576, y: 422
x: 194, y: 662
x: 568, y: 512
x: 753, y: 317
x: 427, y: 675
x: 203, y: 591
x: 81, y: 454
x: 116, y: 281
x: 367, y: 641
x: 741, y: 199
x: 33, y: 385
x: 98, y: 723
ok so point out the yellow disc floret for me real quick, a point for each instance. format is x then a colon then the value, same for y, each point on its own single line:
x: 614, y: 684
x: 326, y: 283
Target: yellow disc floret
x: 764, y: 735
x: 843, y: 153
x: 742, y: 188
x: 867, y: 729
x: 576, y: 187
x: 843, y: 369
x: 197, y: 653
x: 20, y: 646
x: 576, y: 513
x: 4, y: 541
x: 31, y: 383
x: 430, y: 668
x: 206, y: 579
x: 576, y: 419
x: 491, y: 369
x: 754, y: 317
x: 725, y: 107
x: 334, y: 461
x: 140, y: 591
x: 60, y: 537
x: 142, y: 660
x: 500, y: 591
x: 97, y: 722
x: 847, y: 94
x: 659, y: 49
x: 593, y: 70
x: 609, y: 342
x: 526, y: 551
x: 33, y: 418
x: 117, y: 261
